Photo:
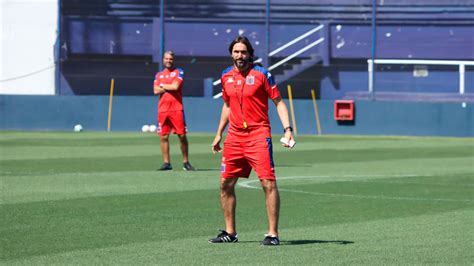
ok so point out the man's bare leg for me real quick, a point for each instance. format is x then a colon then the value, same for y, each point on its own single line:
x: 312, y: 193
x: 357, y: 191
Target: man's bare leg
x: 229, y: 203
x: 272, y: 200
x: 184, y: 147
x: 165, y: 148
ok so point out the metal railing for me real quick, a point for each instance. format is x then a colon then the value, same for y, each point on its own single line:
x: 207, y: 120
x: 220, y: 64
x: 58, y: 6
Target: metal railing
x: 462, y: 68
x: 286, y: 59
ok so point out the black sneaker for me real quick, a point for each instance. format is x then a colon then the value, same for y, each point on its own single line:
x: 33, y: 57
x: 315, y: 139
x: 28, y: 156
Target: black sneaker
x: 166, y: 167
x: 270, y: 241
x: 224, y: 237
x: 188, y: 167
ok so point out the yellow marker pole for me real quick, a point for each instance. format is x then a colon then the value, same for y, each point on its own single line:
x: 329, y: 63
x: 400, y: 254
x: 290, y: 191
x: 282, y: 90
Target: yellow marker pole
x: 290, y: 97
x: 109, y: 118
x: 316, y: 114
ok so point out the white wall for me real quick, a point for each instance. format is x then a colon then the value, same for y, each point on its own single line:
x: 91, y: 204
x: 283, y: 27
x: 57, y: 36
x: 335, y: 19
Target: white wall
x: 27, y: 37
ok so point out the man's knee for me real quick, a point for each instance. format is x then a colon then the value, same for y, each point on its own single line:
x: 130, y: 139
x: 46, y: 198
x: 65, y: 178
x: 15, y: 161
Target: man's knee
x: 269, y: 185
x: 164, y: 137
x: 227, y: 185
x: 182, y: 138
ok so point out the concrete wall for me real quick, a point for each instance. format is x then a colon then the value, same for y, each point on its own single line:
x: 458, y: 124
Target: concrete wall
x: 27, y: 37
x: 202, y: 115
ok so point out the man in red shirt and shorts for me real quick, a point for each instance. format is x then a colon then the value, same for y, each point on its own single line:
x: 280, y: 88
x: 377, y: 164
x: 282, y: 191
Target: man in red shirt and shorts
x: 246, y: 89
x: 169, y: 85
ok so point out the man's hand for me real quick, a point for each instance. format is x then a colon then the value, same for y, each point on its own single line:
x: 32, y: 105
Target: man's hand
x: 158, y: 88
x: 161, y: 89
x: 216, y: 147
x: 289, y: 139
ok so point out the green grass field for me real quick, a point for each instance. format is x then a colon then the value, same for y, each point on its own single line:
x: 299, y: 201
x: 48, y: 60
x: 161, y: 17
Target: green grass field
x: 96, y: 198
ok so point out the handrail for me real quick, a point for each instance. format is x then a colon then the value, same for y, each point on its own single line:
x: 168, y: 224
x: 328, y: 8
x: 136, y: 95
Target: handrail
x: 462, y: 67
x: 307, y: 47
x: 422, y: 62
x: 297, y: 39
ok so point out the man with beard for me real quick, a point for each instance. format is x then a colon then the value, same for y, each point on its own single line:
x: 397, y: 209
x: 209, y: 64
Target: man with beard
x: 169, y: 85
x: 248, y: 145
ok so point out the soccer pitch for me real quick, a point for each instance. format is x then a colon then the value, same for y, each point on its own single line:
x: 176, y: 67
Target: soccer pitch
x: 96, y: 198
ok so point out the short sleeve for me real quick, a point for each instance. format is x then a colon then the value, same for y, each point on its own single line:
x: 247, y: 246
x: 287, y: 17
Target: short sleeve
x: 180, y: 73
x: 225, y: 97
x: 270, y: 86
x: 179, y: 76
x: 157, y: 81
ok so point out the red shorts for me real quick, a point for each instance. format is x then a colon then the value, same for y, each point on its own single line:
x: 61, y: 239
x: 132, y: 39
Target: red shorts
x: 171, y: 121
x: 239, y: 158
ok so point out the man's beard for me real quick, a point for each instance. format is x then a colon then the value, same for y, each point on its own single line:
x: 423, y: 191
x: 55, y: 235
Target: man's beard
x: 242, y: 64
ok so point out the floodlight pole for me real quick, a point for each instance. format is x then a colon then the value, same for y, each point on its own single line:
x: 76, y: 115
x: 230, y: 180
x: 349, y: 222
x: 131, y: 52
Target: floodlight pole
x: 57, y: 89
x: 266, y: 59
x: 374, y: 46
x: 162, y: 34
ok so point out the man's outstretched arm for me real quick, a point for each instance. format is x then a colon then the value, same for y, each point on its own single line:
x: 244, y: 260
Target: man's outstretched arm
x: 284, y: 117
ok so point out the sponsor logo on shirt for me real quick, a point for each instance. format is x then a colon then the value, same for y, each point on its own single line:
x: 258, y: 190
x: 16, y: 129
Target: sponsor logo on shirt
x: 230, y: 80
x: 161, y: 76
x: 250, y: 80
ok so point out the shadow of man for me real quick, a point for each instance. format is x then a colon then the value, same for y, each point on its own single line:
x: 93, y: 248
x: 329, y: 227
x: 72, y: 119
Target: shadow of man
x: 307, y: 241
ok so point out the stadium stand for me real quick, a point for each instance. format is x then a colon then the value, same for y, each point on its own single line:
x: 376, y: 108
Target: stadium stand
x: 402, y: 11
x: 118, y: 38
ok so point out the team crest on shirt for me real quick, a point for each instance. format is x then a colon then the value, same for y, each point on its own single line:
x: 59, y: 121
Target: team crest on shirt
x: 173, y: 74
x: 250, y: 80
x: 239, y: 82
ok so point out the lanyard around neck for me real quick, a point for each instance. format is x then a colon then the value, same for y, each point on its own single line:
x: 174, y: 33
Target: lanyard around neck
x: 241, y: 100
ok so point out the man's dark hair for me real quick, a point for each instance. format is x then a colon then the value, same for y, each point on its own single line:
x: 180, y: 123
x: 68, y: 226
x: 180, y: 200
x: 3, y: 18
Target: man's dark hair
x: 244, y: 40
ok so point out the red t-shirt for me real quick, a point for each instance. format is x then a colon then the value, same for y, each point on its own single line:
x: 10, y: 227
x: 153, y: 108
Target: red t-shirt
x: 170, y: 100
x: 247, y: 94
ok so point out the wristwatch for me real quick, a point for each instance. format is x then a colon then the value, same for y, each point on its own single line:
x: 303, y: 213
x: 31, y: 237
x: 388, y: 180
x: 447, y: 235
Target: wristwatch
x: 288, y: 128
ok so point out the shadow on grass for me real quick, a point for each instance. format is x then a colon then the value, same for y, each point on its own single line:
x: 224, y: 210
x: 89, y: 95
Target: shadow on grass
x: 197, y: 170
x: 295, y: 165
x: 207, y: 169
x: 307, y: 242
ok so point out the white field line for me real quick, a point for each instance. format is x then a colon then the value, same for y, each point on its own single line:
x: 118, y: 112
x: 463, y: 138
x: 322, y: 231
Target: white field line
x: 248, y: 184
x: 415, y: 183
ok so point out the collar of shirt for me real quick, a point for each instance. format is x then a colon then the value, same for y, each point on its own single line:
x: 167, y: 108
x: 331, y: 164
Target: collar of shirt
x: 236, y: 72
